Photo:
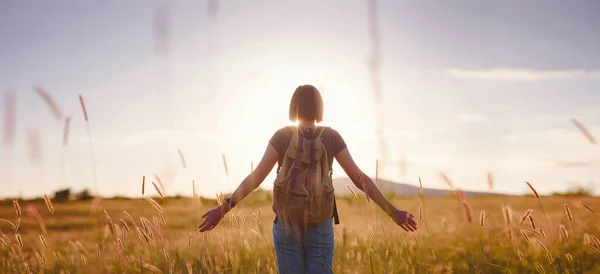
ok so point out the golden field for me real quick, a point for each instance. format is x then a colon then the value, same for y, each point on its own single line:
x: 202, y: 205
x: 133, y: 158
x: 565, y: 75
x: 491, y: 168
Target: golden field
x: 88, y: 237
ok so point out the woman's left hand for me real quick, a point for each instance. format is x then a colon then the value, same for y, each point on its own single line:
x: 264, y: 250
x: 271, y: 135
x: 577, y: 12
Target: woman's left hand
x: 404, y: 220
x: 213, y: 217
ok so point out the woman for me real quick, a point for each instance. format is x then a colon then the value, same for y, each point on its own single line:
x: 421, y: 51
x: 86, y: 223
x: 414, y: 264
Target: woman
x: 311, y: 249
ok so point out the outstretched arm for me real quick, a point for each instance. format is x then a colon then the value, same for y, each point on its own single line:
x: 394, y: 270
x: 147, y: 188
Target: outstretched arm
x: 249, y: 184
x: 364, y: 183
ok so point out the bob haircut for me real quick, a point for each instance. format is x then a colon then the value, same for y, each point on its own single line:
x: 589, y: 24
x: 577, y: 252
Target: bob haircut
x: 306, y: 105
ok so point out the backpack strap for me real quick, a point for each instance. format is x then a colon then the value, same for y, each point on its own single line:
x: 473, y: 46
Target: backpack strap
x: 321, y: 132
x: 336, y: 217
x: 294, y: 134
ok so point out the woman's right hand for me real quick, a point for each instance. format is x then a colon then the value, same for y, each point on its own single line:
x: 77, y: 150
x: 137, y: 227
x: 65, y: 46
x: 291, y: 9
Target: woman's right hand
x: 213, y: 217
x: 404, y: 219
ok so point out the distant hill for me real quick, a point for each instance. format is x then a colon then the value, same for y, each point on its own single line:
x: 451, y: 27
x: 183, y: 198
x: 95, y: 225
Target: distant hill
x: 399, y: 189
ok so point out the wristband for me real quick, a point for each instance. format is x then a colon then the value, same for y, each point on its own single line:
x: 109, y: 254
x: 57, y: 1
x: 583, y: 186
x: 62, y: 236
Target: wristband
x: 230, y: 202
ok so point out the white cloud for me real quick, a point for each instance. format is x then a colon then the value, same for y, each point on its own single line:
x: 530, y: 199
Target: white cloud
x: 472, y: 117
x: 522, y: 74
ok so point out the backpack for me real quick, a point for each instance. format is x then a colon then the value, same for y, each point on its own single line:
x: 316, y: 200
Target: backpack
x: 303, y: 192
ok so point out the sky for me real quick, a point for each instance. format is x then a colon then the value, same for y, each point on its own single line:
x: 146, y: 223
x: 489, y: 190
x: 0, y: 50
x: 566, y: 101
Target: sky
x: 468, y: 87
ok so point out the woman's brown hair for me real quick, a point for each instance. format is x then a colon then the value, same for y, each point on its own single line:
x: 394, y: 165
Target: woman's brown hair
x: 306, y: 105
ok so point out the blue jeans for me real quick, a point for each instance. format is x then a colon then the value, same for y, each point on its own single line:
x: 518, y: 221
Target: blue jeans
x: 313, y: 255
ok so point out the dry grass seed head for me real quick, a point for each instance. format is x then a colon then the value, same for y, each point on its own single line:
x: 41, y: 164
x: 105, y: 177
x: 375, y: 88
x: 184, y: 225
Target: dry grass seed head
x: 460, y: 195
x: 157, y: 190
x: 447, y: 179
x: 166, y: 253
x: 49, y: 204
x: 507, y: 213
x: 162, y: 221
x: 32, y: 210
x: 527, y: 214
x: 95, y: 204
x: 525, y: 235
x: 482, y: 218
x: 225, y: 165
x: 490, y: 178
x: 83, y: 108
x: 521, y: 257
x: 41, y: 260
x: 569, y: 257
x: 181, y: 158
x: 535, y: 193
x: 595, y: 241
x: 19, y: 239
x: 111, y: 224
x: 14, y: 228
x: 43, y: 240
x: 545, y: 250
x: 532, y: 222
x: 467, y: 212
x: 543, y: 233
x: 17, y: 208
x: 151, y: 267
x: 352, y: 191
x: 154, y: 204
x: 563, y: 232
x: 539, y: 267
x: 130, y: 218
x: 124, y: 225
x: 568, y: 212
x: 98, y: 251
x: 588, y: 208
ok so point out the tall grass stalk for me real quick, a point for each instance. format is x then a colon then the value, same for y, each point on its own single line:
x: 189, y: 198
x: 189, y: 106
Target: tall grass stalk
x: 422, y: 196
x: 569, y: 215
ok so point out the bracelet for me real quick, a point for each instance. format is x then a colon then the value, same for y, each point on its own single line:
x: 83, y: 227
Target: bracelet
x: 230, y: 202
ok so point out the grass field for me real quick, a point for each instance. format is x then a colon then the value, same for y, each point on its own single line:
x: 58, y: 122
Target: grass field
x: 74, y: 239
